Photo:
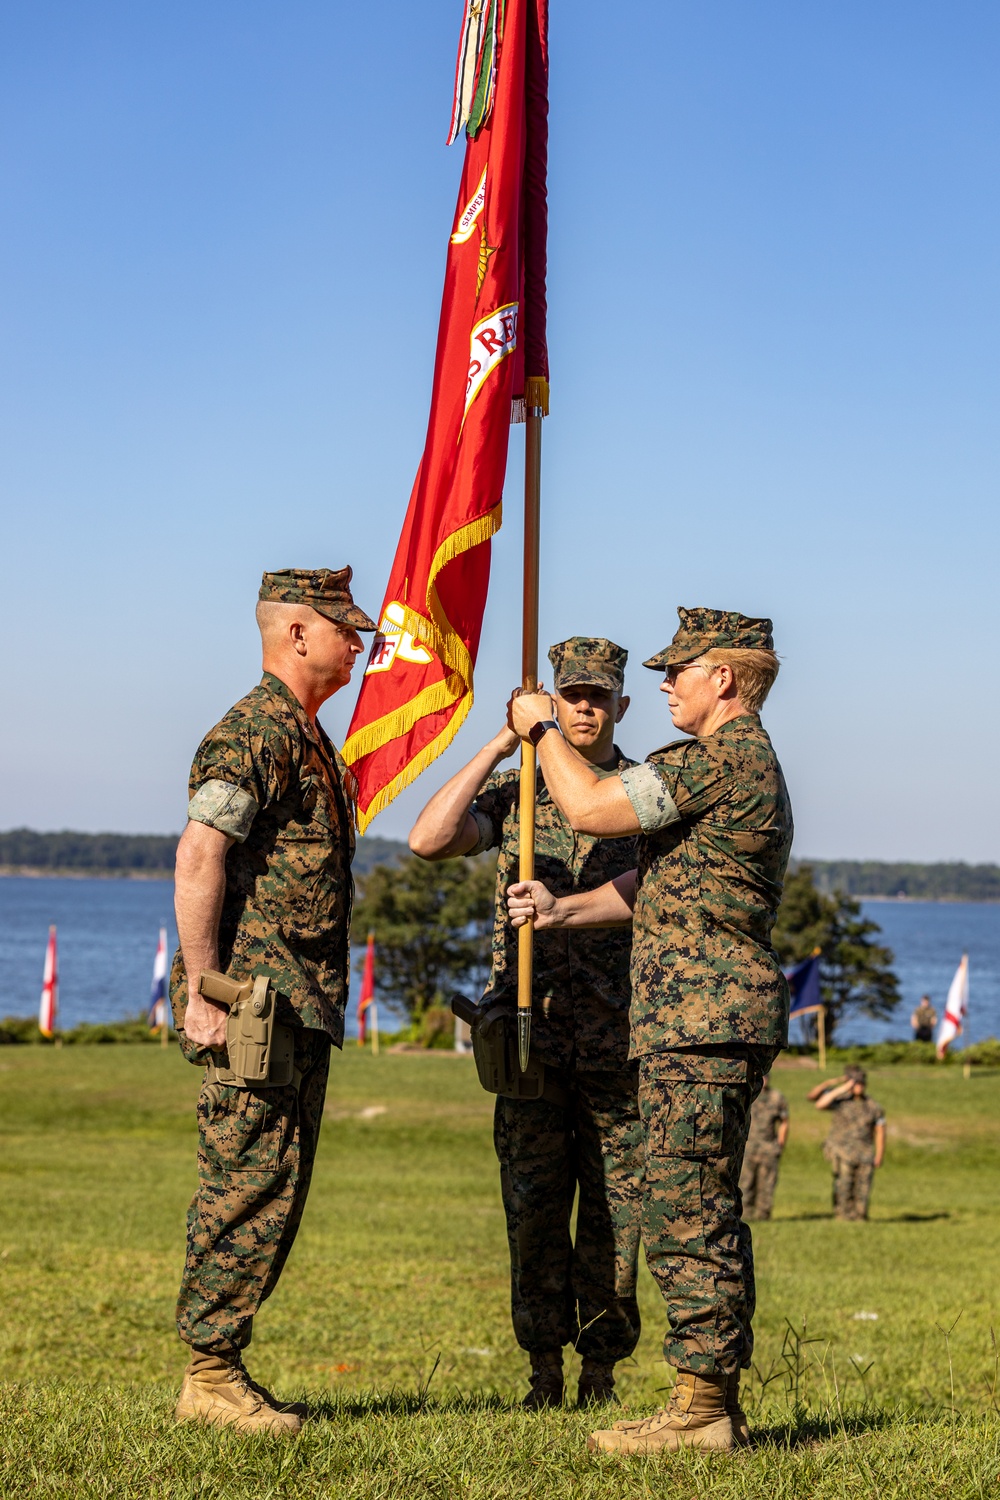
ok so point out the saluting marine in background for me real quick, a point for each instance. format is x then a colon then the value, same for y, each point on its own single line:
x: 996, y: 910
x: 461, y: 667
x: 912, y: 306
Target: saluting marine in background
x: 765, y: 1144
x: 584, y: 1133
x: 709, y: 1000
x: 855, y: 1146
x: 263, y: 887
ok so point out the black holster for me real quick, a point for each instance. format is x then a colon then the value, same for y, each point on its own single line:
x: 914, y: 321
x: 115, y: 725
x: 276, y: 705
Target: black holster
x: 494, y: 1047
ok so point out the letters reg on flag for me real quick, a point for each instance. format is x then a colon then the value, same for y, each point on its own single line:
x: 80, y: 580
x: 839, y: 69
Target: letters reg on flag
x: 491, y: 354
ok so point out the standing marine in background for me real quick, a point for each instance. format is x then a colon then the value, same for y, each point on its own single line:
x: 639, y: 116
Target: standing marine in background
x: 765, y: 1144
x: 263, y: 892
x: 855, y: 1147
x: 924, y: 1020
x: 584, y: 1133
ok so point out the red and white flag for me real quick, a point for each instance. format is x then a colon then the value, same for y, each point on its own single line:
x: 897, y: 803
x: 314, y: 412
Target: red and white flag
x: 492, y: 362
x: 956, y: 1007
x: 367, y: 996
x: 48, y: 1010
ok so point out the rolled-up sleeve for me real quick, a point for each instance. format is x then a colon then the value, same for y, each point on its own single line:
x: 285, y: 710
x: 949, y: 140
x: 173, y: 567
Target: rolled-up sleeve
x: 228, y: 808
x: 487, y: 836
x: 490, y: 809
x: 243, y: 765
x: 651, y: 800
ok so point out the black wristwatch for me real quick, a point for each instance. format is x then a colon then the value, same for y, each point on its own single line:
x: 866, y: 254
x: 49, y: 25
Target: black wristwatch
x: 542, y: 727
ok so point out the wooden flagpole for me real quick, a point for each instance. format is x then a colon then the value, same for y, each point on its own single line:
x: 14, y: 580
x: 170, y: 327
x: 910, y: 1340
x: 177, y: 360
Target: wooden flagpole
x: 536, y: 405
x: 534, y: 411
x: 821, y: 1036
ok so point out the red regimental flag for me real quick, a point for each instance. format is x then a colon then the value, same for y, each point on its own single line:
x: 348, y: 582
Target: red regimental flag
x: 417, y: 687
x: 367, y: 995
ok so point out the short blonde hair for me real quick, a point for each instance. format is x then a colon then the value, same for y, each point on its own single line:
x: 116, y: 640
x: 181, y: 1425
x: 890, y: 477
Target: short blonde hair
x: 754, y: 671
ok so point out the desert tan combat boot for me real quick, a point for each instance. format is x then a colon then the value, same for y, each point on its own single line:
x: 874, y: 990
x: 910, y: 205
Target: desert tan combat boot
x: 219, y: 1391
x: 546, y: 1381
x: 298, y: 1408
x: 735, y: 1413
x: 695, y: 1418
x: 597, y: 1383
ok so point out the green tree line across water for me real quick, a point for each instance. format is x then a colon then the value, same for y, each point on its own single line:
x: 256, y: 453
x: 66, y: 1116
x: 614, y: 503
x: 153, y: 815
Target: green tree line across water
x: 941, y: 882
x: 150, y: 854
x: 153, y: 854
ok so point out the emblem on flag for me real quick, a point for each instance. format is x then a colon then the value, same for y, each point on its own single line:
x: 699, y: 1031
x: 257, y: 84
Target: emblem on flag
x: 392, y: 641
x: 467, y: 220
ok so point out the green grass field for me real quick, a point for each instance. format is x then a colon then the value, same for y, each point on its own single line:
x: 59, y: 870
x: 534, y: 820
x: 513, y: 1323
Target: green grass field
x: 393, y: 1312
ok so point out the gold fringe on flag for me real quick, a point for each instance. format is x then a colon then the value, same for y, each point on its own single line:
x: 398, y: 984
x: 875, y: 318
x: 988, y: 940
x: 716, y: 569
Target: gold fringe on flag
x: 438, y: 634
x: 536, y: 394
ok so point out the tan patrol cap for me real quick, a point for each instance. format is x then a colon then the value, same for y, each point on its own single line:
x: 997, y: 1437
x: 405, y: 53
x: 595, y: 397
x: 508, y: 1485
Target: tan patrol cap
x: 324, y: 590
x: 702, y: 630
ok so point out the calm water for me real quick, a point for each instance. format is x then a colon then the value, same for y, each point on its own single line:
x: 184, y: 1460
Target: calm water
x: 108, y: 931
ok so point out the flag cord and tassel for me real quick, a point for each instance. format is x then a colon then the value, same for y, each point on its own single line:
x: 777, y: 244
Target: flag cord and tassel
x: 536, y: 406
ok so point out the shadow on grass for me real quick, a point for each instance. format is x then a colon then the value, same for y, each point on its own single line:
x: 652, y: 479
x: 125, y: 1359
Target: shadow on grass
x: 911, y: 1218
x: 879, y: 1219
x: 401, y: 1404
x: 807, y: 1429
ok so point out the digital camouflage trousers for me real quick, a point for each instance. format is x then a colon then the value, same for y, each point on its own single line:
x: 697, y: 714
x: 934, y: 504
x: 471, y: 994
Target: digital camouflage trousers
x: 852, y: 1185
x: 566, y: 1292
x: 758, y: 1181
x: 695, y: 1108
x: 256, y: 1149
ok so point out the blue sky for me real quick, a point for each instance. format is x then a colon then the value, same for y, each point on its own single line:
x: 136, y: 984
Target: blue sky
x: 775, y: 371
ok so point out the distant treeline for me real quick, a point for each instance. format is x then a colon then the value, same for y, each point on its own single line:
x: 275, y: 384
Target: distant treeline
x: 133, y: 853
x: 101, y: 853
x: 870, y: 877
x: 373, y: 851
x: 153, y: 854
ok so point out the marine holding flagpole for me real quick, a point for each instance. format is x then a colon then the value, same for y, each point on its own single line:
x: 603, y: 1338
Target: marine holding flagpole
x: 709, y: 1001
x: 567, y: 1130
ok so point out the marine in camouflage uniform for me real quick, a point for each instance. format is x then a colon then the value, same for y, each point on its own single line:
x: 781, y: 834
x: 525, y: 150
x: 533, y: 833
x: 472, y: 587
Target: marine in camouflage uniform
x: 924, y: 1020
x: 856, y: 1141
x: 765, y: 1143
x: 580, y: 1292
x: 709, y: 1001
x: 269, y: 780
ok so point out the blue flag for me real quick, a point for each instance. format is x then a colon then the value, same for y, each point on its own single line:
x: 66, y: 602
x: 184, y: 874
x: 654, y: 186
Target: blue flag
x: 803, y: 982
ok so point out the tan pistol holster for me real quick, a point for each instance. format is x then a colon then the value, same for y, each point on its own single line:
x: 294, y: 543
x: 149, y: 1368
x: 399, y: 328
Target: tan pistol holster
x: 494, y: 1048
x: 261, y: 1050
